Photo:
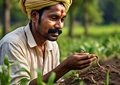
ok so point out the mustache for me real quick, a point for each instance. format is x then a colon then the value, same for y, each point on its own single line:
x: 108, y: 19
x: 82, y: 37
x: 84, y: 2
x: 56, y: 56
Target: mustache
x: 54, y: 30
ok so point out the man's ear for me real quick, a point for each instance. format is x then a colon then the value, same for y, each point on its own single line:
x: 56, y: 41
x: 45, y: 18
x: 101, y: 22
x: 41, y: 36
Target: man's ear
x: 34, y: 15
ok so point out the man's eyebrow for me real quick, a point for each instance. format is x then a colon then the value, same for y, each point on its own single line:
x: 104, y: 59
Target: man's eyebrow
x: 53, y: 14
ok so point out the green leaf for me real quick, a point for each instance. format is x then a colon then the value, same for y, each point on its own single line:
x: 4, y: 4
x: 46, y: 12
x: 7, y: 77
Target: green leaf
x: 39, y: 78
x: 81, y: 83
x: 6, y: 61
x: 24, y: 81
x: 14, y: 63
x: 107, y: 78
x: 23, y: 70
x: 51, y: 79
x: 1, y: 69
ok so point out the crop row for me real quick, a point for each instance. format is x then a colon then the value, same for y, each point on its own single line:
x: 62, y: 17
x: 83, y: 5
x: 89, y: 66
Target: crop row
x: 106, y: 47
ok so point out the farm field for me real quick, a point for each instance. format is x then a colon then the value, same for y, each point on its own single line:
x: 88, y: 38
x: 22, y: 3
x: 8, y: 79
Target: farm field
x: 103, y: 43
x: 108, y: 50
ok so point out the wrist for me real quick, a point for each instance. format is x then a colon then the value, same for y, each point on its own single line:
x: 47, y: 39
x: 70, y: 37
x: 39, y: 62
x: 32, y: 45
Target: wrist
x: 65, y: 66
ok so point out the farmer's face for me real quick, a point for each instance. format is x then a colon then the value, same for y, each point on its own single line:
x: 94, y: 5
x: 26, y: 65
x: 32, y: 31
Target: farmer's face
x: 51, y: 22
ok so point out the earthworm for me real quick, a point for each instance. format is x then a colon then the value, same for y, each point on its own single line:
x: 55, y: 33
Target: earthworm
x: 97, y: 60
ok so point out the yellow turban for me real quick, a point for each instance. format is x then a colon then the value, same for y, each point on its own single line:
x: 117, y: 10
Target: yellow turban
x: 28, y: 5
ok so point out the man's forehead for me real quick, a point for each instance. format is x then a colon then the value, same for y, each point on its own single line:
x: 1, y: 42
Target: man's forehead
x: 59, y: 8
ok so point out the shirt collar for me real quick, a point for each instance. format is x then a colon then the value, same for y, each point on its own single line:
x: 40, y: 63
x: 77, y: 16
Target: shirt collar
x: 30, y: 38
x: 49, y: 45
x: 31, y: 41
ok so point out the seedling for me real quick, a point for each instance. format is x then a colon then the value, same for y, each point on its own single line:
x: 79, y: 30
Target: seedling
x: 40, y: 79
x: 76, y: 77
x: 81, y: 83
x: 107, y: 78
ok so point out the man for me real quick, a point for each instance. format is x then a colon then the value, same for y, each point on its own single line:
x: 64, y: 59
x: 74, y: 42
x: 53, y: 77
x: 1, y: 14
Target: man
x: 35, y: 44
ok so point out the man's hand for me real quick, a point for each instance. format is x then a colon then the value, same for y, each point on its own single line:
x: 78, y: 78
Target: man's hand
x: 78, y: 61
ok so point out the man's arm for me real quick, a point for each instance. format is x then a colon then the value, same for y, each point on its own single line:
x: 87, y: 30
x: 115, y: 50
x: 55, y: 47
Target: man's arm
x: 73, y: 62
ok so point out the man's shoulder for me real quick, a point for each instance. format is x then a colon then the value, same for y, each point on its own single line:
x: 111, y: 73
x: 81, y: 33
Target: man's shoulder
x: 15, y: 36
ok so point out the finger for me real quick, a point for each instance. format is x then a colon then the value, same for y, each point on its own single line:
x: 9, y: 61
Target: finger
x: 92, y: 59
x: 83, y: 66
x: 87, y: 61
x: 81, y: 53
x: 91, y: 55
x: 82, y: 57
x: 82, y: 62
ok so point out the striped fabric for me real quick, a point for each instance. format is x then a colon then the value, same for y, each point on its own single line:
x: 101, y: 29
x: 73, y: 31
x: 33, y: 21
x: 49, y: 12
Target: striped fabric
x: 28, y: 5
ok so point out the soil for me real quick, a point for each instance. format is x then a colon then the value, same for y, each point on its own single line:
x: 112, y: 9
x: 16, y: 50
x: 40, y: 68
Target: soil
x: 96, y: 75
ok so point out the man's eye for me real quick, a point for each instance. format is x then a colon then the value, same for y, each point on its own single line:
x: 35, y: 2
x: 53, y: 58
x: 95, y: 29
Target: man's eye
x: 54, y: 17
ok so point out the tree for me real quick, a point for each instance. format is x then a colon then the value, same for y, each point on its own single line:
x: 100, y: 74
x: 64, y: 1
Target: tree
x: 72, y: 13
x: 92, y: 14
x: 18, y: 17
x: 111, y: 9
x: 1, y: 1
x: 6, y: 17
x: 86, y: 5
x: 86, y: 11
x: 71, y: 17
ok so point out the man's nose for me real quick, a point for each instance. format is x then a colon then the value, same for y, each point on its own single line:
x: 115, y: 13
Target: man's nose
x: 59, y: 25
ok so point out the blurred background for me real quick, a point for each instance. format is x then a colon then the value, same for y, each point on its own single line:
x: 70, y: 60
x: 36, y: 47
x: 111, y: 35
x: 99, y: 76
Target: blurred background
x: 91, y: 25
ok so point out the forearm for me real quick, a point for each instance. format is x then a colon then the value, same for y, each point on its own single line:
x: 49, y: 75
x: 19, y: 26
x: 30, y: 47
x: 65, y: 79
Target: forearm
x: 60, y: 70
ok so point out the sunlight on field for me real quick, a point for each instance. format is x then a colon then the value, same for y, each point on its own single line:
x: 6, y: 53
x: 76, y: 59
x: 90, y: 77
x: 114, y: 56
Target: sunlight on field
x: 108, y: 29
x: 95, y: 30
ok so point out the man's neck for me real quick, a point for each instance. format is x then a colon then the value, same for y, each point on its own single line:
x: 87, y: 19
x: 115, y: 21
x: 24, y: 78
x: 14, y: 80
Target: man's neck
x: 39, y: 39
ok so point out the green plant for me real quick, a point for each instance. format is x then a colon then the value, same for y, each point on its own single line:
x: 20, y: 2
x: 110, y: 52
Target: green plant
x: 39, y: 78
x: 106, y: 47
x: 24, y: 81
x: 75, y: 77
x: 5, y: 73
x: 50, y: 80
x: 107, y: 78
x: 81, y: 83
x: 5, y: 78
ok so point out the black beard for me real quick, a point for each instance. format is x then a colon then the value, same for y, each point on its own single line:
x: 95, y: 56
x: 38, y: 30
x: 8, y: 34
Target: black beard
x: 54, y: 30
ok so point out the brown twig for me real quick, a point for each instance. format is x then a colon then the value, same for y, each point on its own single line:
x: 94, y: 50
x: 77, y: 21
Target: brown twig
x: 93, y: 79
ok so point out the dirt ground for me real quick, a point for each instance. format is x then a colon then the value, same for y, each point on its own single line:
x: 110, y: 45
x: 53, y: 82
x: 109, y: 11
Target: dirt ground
x: 96, y: 75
